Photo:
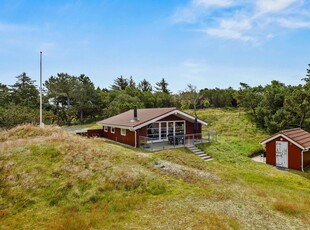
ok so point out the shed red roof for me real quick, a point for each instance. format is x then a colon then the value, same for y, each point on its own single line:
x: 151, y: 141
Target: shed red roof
x: 145, y: 116
x: 298, y: 135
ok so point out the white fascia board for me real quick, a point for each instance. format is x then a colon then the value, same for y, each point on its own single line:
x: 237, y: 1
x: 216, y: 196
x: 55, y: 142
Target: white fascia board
x: 283, y: 136
x: 191, y: 117
x: 116, y: 126
x: 175, y: 112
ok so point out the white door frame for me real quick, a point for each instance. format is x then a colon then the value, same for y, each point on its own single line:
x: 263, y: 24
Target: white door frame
x: 282, y: 154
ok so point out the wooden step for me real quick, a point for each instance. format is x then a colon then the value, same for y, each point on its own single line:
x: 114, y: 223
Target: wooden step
x: 198, y: 152
x: 206, y: 157
x: 209, y: 159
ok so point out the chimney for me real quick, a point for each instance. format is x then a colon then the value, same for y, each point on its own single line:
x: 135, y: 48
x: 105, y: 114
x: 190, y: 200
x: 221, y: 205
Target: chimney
x: 135, y: 113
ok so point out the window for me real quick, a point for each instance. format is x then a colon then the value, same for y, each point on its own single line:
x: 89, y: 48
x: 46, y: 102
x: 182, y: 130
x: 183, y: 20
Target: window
x: 106, y: 129
x: 123, y: 132
x: 153, y: 131
x: 179, y: 128
x: 112, y: 130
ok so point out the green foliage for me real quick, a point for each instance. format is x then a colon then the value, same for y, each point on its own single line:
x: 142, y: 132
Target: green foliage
x: 14, y: 115
x: 4, y: 95
x: 24, y: 92
x: 162, y: 86
x: 120, y: 102
x: 73, y: 97
x: 217, y: 98
x: 120, y: 83
x: 276, y: 106
x: 145, y: 86
x: 163, y: 100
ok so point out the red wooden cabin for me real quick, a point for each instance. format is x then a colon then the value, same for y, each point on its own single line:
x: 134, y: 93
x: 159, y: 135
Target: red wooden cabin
x: 150, y: 125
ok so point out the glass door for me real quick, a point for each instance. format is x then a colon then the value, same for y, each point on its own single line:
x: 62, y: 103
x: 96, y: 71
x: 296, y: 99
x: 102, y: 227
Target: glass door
x: 153, y: 131
x: 163, y: 131
x: 170, y: 128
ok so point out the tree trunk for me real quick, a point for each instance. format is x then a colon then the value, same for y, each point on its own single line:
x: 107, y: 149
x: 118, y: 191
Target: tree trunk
x: 57, y: 111
x: 302, y: 120
x: 195, y: 110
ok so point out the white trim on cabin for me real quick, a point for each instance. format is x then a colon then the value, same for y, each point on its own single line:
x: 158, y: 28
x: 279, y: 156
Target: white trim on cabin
x: 112, y: 129
x: 118, y: 126
x: 106, y: 129
x: 285, y: 137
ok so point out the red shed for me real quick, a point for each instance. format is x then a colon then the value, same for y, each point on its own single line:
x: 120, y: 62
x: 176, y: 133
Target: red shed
x: 288, y: 149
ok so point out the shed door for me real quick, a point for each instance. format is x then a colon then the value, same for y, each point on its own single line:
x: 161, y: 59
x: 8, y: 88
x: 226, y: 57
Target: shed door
x: 282, y: 154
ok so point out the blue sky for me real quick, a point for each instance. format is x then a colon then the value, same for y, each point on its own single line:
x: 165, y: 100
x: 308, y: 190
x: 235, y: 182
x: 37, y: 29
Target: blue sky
x: 208, y: 43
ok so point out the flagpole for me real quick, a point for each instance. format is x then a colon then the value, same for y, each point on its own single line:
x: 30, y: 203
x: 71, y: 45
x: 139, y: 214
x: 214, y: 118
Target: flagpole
x: 41, y: 122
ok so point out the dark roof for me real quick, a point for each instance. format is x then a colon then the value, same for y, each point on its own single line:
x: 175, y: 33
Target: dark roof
x: 298, y: 135
x: 126, y: 119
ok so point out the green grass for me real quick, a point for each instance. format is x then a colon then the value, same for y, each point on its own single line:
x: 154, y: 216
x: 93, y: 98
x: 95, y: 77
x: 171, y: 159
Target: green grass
x: 50, y: 179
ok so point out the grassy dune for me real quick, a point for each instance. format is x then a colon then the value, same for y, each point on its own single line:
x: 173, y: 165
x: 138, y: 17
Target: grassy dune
x: 50, y: 179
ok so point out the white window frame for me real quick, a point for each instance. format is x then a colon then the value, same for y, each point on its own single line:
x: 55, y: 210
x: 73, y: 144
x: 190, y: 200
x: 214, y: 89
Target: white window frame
x: 106, y: 129
x: 122, y: 130
x: 167, y: 128
x: 112, y: 129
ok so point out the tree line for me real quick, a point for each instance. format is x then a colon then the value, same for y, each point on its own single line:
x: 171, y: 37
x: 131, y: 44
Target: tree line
x: 277, y: 106
x: 69, y: 99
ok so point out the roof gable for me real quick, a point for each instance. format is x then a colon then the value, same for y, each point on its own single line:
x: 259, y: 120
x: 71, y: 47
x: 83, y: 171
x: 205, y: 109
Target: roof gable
x: 145, y: 117
x: 298, y: 137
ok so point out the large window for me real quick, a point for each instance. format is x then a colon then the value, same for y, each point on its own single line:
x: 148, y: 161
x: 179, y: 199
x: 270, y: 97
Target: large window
x: 153, y: 131
x: 162, y: 130
x: 179, y: 128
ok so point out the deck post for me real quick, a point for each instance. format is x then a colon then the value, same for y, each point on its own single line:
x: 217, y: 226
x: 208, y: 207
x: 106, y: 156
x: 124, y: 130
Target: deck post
x: 174, y: 141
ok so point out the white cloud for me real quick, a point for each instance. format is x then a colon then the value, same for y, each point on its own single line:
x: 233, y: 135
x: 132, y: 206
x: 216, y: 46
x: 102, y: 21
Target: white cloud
x: 269, y: 6
x: 229, y: 34
x: 236, y: 24
x: 247, y: 21
x: 293, y: 24
x: 7, y: 27
x: 269, y: 36
x: 194, y: 69
x: 196, y: 9
x: 209, y: 3
x: 235, y: 28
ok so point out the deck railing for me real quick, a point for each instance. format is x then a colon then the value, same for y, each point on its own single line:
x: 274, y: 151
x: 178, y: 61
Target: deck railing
x: 177, y: 141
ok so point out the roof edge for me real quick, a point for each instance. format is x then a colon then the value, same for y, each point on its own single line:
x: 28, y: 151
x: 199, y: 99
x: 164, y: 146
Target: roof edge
x: 165, y: 115
x: 284, y: 136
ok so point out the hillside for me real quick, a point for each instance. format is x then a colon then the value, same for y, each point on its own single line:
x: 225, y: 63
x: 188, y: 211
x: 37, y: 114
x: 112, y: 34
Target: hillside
x: 51, y: 179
